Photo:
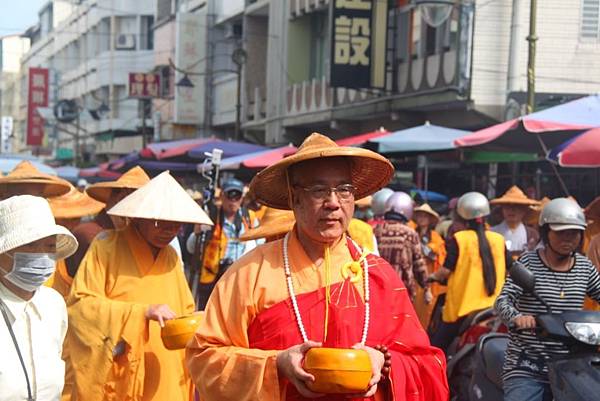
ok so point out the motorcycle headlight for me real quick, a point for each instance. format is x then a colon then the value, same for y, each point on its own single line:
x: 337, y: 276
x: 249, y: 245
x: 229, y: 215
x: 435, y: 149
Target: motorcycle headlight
x: 588, y: 333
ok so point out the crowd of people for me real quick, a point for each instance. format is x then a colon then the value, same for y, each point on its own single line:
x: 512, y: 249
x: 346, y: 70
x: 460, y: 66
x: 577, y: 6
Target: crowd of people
x: 314, y: 252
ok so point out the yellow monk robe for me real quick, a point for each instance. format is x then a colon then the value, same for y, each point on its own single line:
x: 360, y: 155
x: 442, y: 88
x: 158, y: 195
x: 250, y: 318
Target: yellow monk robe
x: 220, y: 358
x: 424, y: 310
x: 60, y: 279
x: 61, y: 282
x: 362, y: 233
x: 116, y: 282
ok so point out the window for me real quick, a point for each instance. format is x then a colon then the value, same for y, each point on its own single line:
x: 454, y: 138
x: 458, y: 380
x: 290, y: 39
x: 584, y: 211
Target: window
x: 590, y: 19
x: 147, y: 34
x: 319, y: 41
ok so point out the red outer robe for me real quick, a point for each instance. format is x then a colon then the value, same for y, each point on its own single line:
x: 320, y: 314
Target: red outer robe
x: 418, y: 369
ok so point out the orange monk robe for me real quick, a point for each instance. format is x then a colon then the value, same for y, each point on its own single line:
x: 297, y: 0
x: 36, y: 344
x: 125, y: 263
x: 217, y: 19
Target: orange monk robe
x: 117, y: 281
x: 593, y: 253
x: 424, y: 310
x: 219, y: 357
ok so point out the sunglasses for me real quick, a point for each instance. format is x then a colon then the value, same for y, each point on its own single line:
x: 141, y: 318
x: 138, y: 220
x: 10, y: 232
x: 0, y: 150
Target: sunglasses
x: 234, y: 195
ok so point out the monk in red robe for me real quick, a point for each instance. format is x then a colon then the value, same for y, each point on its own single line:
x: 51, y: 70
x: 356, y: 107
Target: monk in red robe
x: 315, y: 287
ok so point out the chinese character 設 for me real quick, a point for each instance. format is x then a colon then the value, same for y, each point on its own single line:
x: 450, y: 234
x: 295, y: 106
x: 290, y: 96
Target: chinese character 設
x: 352, y: 39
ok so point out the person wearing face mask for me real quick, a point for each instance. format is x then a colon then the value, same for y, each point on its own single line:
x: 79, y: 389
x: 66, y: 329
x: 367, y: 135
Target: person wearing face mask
x: 130, y: 282
x: 34, y: 318
x: 563, y: 277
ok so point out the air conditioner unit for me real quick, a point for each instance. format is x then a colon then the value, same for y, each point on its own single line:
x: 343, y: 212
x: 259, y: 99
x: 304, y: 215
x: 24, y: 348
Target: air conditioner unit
x: 125, y: 41
x: 233, y: 30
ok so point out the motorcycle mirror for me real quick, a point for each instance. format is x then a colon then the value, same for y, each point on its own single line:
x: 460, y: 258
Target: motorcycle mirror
x: 523, y: 277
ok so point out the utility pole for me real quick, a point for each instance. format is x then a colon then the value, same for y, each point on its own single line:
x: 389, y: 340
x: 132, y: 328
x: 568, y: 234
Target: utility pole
x: 143, y: 103
x: 532, y: 38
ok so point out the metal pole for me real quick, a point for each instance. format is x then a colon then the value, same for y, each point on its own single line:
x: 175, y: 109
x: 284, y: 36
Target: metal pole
x: 238, y: 105
x: 76, y: 148
x: 143, y: 102
x: 532, y: 38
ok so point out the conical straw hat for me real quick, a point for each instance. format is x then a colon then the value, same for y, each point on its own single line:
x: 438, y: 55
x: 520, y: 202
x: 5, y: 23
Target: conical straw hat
x: 425, y: 208
x: 514, y: 196
x: 370, y: 171
x: 26, y: 173
x: 73, y: 205
x: 275, y: 222
x: 161, y: 199
x: 132, y: 179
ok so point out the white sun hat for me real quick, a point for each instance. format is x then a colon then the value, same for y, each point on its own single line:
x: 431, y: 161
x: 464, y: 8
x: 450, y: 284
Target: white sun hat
x: 161, y: 199
x: 25, y: 219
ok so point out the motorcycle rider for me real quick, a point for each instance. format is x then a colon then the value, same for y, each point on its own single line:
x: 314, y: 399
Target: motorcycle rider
x: 475, y: 268
x: 563, y: 278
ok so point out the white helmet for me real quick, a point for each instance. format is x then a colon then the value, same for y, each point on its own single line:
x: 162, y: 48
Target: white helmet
x: 562, y: 214
x: 400, y: 202
x: 472, y: 205
x: 379, y: 199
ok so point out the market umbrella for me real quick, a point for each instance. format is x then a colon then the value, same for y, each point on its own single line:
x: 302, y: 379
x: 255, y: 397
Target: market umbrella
x: 169, y: 149
x: 229, y: 148
x: 9, y: 162
x: 580, y: 151
x: 358, y: 140
x: 563, y: 121
x: 252, y: 160
x: 423, y: 138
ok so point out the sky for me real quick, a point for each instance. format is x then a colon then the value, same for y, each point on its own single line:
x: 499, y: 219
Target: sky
x: 18, y: 15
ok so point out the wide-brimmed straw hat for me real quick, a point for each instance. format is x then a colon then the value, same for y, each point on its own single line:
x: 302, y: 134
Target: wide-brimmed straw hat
x: 161, y: 199
x: 369, y: 171
x: 514, y: 196
x: 74, y: 205
x: 133, y: 179
x: 533, y: 212
x: 592, y: 210
x: 26, y: 173
x: 25, y: 219
x: 364, y: 202
x: 275, y: 222
x: 425, y: 208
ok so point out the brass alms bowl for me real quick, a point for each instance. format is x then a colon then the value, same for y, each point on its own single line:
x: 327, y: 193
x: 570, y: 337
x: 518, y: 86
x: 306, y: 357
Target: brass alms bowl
x: 338, y: 370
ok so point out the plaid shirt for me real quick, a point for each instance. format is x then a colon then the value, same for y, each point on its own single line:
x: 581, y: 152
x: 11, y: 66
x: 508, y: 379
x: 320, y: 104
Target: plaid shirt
x: 401, y: 247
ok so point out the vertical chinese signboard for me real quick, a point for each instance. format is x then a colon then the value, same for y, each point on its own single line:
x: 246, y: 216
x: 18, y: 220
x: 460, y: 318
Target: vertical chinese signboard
x: 358, y: 43
x: 191, y: 56
x: 37, y: 97
x: 143, y: 85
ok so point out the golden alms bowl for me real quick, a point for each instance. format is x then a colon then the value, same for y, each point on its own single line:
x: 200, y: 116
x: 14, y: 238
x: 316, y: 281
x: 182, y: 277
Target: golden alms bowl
x: 179, y: 331
x: 338, y: 370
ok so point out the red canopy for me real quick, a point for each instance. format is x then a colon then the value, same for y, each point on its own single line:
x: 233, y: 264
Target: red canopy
x: 164, y: 150
x: 581, y: 151
x: 268, y: 158
x: 362, y: 138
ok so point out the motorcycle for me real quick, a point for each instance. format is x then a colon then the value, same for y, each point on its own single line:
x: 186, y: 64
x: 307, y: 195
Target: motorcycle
x: 461, y: 352
x: 573, y: 377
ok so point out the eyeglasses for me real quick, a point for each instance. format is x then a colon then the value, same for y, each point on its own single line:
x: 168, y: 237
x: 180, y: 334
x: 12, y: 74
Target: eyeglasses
x: 234, y: 195
x: 344, y: 192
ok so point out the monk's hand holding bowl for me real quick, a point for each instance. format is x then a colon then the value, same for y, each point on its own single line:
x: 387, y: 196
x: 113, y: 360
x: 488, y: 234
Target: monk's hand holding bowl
x: 289, y: 365
x: 377, y: 361
x: 160, y: 313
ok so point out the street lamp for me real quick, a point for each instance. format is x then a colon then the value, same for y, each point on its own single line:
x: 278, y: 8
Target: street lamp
x: 239, y: 57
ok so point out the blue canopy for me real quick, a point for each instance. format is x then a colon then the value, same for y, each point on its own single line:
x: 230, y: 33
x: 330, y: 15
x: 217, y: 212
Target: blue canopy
x: 424, y: 138
x: 229, y: 148
x: 9, y: 162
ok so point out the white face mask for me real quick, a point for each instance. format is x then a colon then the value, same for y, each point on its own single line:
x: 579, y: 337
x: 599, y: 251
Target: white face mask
x: 31, y: 270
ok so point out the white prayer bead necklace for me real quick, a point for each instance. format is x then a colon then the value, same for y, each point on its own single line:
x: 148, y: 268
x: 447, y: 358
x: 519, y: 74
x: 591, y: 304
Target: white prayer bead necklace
x: 290, y: 286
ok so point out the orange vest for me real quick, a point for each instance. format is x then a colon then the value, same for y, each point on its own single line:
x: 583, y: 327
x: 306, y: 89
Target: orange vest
x: 217, y: 246
x: 466, y: 291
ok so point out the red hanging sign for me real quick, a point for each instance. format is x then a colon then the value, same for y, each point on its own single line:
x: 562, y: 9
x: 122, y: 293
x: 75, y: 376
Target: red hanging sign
x: 37, y: 97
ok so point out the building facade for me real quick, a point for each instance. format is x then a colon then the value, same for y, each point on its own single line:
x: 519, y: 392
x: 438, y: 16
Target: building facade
x: 89, y: 48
